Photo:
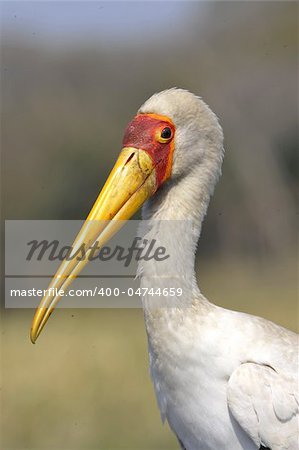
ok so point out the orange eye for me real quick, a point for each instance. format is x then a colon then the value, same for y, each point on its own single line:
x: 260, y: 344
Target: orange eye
x: 165, y: 135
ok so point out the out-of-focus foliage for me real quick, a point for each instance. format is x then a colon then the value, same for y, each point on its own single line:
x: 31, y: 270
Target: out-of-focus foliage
x: 85, y: 385
x: 64, y: 112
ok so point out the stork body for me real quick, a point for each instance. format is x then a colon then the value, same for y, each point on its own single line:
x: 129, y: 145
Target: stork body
x: 223, y: 379
x: 217, y: 389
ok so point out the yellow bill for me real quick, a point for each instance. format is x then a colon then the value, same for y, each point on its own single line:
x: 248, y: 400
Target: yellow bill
x: 131, y: 182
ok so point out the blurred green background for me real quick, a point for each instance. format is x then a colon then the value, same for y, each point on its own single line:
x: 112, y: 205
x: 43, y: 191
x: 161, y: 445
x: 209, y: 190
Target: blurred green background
x: 72, y: 76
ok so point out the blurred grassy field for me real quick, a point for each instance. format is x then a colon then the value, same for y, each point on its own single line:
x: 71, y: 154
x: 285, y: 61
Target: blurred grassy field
x: 85, y: 384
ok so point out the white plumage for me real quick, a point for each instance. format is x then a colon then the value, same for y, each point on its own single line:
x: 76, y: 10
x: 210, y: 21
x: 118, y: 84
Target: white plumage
x: 223, y: 379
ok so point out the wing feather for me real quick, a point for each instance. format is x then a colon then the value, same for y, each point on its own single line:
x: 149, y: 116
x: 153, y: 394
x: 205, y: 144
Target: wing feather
x: 265, y: 404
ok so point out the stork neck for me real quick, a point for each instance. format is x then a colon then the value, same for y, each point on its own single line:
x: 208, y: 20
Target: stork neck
x: 174, y: 218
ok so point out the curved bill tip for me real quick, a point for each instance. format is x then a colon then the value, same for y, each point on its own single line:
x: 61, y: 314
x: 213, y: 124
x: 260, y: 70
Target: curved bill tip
x: 33, y: 336
x: 40, y: 318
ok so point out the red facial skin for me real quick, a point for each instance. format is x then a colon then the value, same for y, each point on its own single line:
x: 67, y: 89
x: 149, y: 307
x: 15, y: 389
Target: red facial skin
x: 143, y: 133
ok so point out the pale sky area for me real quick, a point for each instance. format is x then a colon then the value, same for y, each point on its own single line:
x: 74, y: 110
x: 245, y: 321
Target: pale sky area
x: 59, y: 22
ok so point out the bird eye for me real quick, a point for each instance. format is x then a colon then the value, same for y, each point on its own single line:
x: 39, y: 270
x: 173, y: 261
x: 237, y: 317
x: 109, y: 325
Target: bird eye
x: 165, y: 135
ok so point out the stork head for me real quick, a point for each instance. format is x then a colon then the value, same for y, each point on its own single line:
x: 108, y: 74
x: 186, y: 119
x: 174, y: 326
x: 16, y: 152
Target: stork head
x: 173, y: 132
x: 197, y: 137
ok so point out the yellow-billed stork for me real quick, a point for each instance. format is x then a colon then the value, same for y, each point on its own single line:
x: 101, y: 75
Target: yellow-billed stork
x: 223, y: 379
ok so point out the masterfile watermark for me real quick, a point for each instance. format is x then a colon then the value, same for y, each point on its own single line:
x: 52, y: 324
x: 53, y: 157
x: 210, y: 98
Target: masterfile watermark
x: 141, y: 254
x: 53, y: 292
x: 140, y: 250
